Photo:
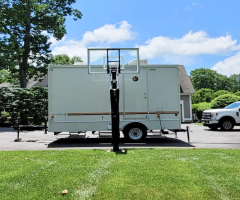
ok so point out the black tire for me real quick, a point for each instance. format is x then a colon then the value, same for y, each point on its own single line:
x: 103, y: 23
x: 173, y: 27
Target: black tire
x: 135, y: 132
x: 226, y: 124
x: 213, y: 128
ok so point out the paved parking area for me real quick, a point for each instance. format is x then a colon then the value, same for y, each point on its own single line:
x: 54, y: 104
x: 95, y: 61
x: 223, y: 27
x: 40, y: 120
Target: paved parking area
x: 200, y: 137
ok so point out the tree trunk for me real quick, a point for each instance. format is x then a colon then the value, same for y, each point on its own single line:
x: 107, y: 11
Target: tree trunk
x: 23, y: 65
x: 23, y: 76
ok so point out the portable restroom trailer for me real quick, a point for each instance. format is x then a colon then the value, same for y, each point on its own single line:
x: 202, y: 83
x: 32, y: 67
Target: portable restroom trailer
x: 79, y: 101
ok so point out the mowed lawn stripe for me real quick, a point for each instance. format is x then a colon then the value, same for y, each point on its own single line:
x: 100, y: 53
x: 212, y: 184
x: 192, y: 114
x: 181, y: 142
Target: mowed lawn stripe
x: 94, y: 178
x: 139, y: 174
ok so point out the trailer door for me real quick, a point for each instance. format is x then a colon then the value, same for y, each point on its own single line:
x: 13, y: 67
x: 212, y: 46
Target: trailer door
x: 135, y: 95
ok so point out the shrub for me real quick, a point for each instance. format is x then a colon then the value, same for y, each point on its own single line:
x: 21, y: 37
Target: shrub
x: 224, y: 100
x: 25, y: 102
x: 202, y: 95
x: 39, y: 108
x: 237, y: 93
x: 3, y: 119
x: 199, y: 108
x: 221, y: 92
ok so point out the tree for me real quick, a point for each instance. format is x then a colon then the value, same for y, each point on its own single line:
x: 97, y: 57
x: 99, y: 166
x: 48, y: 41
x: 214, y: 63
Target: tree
x: 203, y: 78
x: 7, y: 76
x: 207, y: 78
x: 223, y: 83
x: 202, y: 95
x: 64, y: 59
x: 23, y: 45
x: 235, y: 82
x: 4, y: 75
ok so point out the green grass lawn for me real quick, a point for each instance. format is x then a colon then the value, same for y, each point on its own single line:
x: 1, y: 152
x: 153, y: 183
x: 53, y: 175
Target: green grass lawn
x: 198, y: 123
x: 138, y: 174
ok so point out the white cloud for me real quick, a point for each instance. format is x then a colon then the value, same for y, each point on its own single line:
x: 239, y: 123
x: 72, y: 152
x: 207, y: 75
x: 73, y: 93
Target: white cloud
x: 190, y: 6
x: 105, y: 35
x: 193, y: 43
x: 52, y: 39
x: 228, y: 66
x: 109, y: 33
x: 56, y: 42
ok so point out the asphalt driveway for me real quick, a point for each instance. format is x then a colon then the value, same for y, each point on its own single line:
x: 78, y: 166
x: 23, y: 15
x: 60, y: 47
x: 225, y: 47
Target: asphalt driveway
x: 200, y: 137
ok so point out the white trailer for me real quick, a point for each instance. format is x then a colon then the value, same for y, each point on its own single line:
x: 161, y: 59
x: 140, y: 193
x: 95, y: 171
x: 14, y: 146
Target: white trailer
x: 79, y: 101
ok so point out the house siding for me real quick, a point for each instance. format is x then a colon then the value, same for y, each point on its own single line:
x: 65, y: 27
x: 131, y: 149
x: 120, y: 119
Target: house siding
x: 186, y: 102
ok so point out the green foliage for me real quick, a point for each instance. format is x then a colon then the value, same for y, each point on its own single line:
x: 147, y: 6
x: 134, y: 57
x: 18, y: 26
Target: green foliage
x: 4, y: 76
x: 235, y: 82
x: 220, y: 92
x: 237, y: 93
x: 223, y: 83
x: 199, y: 108
x: 23, y: 42
x: 64, y: 59
x: 39, y: 106
x: 7, y: 76
x: 202, y: 95
x: 224, y: 100
x: 207, y: 78
x: 75, y: 59
x: 32, y: 102
x: 3, y: 119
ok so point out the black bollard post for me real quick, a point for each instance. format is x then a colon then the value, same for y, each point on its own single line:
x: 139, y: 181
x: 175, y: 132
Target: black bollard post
x: 45, y: 128
x: 188, y: 134
x: 18, y: 130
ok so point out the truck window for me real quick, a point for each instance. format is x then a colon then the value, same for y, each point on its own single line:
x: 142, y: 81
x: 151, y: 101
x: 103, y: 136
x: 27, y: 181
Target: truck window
x: 233, y: 105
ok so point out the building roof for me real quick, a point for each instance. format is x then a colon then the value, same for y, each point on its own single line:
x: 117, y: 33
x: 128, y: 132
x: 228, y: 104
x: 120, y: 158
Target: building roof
x: 41, y: 83
x: 141, y: 62
x: 4, y: 85
x: 185, y: 82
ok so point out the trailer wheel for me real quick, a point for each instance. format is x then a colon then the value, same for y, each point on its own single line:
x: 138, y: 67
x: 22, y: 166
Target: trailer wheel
x: 135, y: 132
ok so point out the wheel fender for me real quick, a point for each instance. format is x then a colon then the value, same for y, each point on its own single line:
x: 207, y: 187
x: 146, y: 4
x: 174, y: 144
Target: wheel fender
x: 227, y: 117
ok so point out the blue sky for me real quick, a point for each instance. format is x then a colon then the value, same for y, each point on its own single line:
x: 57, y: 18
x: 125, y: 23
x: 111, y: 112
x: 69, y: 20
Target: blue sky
x: 196, y: 34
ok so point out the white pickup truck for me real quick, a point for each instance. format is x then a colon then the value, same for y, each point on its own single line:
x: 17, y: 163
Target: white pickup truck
x: 225, y: 118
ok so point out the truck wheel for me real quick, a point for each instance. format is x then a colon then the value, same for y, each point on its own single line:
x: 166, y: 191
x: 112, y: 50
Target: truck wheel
x: 135, y: 133
x: 226, y: 125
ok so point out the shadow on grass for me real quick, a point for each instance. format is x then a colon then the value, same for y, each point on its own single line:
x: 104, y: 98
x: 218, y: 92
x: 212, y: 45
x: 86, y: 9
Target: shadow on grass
x: 106, y: 142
